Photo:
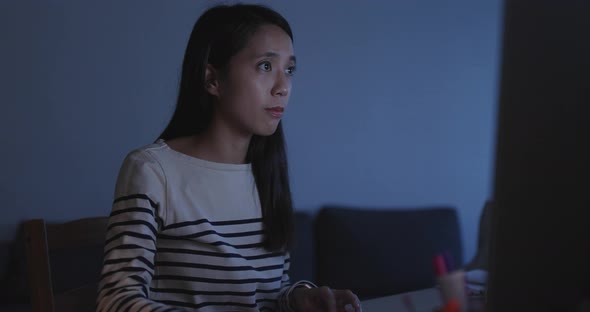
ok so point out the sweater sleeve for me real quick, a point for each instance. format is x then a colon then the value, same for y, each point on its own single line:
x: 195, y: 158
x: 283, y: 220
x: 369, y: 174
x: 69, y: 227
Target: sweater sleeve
x: 130, y: 245
x: 285, y: 285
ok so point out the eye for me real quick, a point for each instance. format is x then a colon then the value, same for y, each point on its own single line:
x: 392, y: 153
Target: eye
x: 291, y: 70
x: 265, y: 66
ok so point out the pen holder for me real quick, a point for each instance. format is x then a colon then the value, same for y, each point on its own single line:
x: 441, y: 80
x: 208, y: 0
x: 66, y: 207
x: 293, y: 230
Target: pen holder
x: 452, y: 286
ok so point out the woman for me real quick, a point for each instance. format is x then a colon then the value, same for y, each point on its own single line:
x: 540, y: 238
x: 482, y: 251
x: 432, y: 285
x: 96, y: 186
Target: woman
x: 202, y: 219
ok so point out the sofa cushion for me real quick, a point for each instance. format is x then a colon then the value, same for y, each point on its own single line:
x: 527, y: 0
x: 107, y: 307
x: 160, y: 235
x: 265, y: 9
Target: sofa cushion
x: 303, y: 253
x: 379, y: 252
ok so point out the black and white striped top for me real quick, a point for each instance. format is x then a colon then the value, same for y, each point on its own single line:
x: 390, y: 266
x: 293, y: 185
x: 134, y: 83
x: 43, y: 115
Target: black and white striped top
x: 186, y: 234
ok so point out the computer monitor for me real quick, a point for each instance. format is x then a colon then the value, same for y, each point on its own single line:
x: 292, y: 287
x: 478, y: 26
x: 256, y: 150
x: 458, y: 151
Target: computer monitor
x: 540, y: 237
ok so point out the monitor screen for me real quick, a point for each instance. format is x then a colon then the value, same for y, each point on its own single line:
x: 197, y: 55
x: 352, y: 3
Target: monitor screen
x: 540, y: 237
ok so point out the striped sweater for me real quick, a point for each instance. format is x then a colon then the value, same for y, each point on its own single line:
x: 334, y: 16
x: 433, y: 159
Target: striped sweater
x: 186, y: 234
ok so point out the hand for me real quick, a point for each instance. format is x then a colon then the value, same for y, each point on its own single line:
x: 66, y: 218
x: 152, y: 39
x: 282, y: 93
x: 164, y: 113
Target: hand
x: 324, y: 299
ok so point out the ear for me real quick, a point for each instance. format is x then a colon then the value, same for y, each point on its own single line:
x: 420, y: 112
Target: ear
x: 211, y: 80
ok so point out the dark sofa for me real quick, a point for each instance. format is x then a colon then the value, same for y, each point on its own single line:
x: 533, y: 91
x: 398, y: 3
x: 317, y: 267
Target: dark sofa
x: 374, y: 252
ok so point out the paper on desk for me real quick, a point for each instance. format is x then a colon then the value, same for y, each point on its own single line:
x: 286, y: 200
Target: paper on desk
x: 476, y: 283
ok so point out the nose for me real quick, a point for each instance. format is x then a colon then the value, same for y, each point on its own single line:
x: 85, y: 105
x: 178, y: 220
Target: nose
x: 282, y: 85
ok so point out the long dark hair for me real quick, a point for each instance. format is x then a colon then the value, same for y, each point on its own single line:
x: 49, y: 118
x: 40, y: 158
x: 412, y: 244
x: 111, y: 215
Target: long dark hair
x: 220, y: 33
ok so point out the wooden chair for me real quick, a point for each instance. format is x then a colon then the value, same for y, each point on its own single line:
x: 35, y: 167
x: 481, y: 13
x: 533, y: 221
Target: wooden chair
x: 64, y: 262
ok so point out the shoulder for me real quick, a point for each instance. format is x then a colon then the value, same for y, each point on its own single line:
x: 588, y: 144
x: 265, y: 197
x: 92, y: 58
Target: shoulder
x: 143, y: 163
x: 141, y: 174
x: 147, y: 155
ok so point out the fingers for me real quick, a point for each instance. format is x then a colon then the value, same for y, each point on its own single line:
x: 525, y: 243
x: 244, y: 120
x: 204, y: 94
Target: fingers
x: 328, y: 298
x: 347, y: 301
x: 333, y: 300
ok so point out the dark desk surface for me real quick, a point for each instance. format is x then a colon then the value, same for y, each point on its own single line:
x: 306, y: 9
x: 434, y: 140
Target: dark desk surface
x: 422, y: 300
x: 426, y: 300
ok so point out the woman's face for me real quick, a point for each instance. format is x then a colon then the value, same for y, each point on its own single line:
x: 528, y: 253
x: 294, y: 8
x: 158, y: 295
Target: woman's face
x: 254, y: 91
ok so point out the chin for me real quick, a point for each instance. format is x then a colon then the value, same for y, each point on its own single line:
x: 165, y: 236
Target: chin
x: 267, y: 131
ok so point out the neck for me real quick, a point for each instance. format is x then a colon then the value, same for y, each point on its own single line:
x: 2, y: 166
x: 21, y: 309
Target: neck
x: 221, y: 144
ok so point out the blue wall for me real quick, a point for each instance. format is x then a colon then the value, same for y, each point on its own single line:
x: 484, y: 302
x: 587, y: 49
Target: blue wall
x: 393, y: 104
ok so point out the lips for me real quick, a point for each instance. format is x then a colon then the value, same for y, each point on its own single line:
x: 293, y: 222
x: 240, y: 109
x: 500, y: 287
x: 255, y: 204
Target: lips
x: 276, y: 112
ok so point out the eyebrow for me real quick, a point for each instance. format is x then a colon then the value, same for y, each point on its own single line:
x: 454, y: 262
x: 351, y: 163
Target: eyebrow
x: 274, y: 54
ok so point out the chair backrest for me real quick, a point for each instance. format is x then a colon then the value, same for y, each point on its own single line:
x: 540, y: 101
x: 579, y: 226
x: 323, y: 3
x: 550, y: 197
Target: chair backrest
x: 64, y: 262
x: 379, y: 252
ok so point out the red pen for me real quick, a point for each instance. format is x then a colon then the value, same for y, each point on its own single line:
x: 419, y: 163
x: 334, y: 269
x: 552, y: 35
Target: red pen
x: 440, y: 267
